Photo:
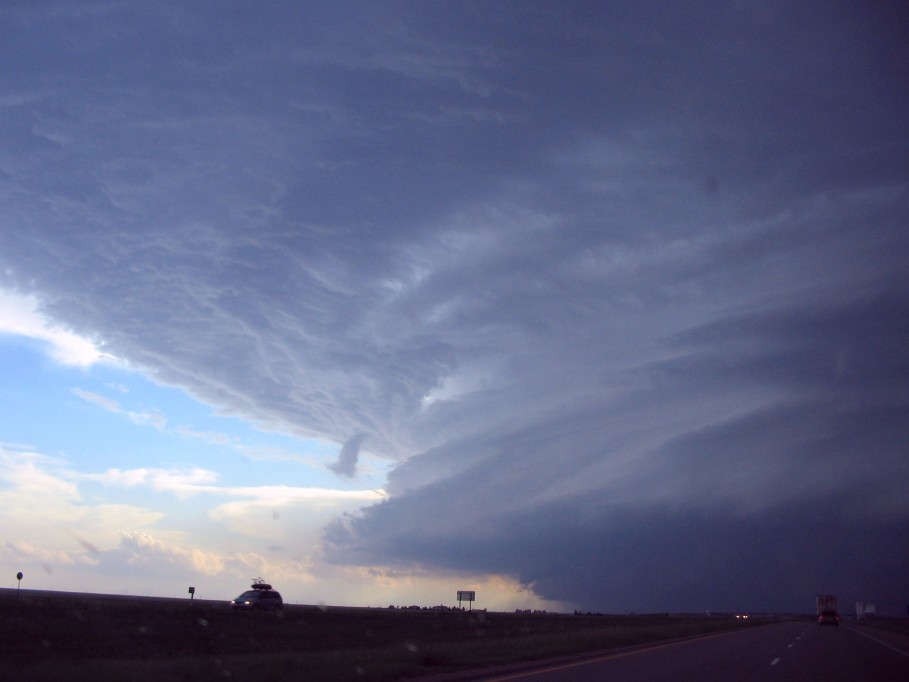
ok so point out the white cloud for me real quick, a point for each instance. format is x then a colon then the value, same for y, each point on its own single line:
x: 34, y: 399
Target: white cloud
x: 40, y: 500
x: 302, y: 511
x: 186, y: 482
x: 63, y: 537
x: 23, y: 552
x: 179, y: 482
x: 19, y: 315
x: 146, y: 549
x: 73, y: 539
x: 99, y: 400
x: 155, y: 419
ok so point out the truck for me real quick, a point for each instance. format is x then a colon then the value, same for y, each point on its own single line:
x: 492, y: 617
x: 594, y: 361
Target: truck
x: 826, y: 602
x: 826, y: 610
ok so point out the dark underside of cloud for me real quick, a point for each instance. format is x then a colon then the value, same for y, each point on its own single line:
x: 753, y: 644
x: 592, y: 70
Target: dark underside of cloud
x: 656, y: 558
x: 757, y: 510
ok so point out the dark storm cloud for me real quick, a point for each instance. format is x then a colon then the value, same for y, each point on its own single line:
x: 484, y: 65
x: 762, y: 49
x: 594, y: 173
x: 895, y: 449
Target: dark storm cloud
x: 654, y: 557
x: 715, y: 510
x: 623, y: 281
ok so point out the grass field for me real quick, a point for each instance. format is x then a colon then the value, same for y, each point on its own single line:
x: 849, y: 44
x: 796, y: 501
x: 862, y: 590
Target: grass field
x: 75, y: 638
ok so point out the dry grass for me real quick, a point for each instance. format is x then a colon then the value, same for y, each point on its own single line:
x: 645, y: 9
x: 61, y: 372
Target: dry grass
x: 71, y: 639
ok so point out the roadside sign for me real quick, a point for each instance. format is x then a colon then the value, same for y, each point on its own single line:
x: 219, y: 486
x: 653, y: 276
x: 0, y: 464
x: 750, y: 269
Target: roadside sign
x: 466, y: 595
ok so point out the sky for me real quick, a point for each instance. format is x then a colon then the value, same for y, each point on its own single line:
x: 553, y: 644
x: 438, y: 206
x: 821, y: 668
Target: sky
x: 597, y: 306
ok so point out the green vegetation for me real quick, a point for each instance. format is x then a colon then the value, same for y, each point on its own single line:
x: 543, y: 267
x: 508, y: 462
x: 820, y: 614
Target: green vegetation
x: 62, y: 638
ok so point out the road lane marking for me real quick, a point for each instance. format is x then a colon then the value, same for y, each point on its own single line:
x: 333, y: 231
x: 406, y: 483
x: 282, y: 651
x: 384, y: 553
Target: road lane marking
x: 600, y: 659
x: 875, y: 639
x: 774, y: 661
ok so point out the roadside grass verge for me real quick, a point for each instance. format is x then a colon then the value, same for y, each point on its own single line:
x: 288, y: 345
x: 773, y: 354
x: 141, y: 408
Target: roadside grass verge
x: 900, y: 625
x: 73, y: 640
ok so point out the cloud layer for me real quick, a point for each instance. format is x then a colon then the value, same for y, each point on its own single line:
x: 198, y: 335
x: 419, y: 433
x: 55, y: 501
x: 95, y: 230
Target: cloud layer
x: 621, y: 289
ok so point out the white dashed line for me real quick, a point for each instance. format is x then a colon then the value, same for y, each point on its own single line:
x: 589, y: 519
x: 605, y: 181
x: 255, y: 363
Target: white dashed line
x: 774, y: 661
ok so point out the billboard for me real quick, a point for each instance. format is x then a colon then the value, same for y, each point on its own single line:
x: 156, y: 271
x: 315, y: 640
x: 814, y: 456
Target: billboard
x: 863, y: 609
x: 465, y: 595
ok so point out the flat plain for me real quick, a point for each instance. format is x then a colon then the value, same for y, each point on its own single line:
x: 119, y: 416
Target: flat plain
x: 62, y: 636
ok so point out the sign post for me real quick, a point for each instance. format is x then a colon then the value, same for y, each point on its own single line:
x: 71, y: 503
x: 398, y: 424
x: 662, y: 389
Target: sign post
x: 19, y: 584
x: 468, y: 596
x: 192, y: 594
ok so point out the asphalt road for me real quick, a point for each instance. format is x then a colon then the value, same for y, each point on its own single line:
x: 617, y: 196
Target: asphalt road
x: 781, y: 652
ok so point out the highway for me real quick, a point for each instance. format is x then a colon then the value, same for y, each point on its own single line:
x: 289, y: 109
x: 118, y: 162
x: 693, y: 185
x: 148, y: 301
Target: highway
x: 781, y: 652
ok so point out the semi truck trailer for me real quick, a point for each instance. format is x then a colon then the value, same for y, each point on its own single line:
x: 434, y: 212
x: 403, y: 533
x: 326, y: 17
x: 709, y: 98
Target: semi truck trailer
x: 826, y: 610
